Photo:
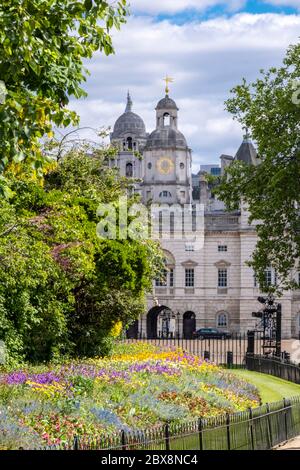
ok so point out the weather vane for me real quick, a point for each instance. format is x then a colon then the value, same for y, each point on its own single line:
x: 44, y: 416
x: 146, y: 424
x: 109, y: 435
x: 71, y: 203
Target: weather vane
x: 168, y: 80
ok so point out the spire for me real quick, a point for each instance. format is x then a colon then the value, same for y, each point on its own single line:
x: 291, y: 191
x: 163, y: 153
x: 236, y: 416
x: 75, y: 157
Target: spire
x: 129, y: 103
x: 247, y: 152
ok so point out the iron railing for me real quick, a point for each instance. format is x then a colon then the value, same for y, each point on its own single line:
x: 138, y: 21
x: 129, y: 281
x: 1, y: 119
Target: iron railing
x: 281, y: 368
x: 255, y: 429
x: 226, y: 351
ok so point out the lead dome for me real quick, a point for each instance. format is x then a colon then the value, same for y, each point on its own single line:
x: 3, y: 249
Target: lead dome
x: 129, y: 123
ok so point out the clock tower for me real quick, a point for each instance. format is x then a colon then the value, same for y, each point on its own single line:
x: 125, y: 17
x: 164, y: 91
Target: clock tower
x: 167, y: 159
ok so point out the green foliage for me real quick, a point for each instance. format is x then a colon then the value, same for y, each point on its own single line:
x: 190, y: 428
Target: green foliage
x: 270, y: 108
x: 62, y: 288
x: 43, y: 44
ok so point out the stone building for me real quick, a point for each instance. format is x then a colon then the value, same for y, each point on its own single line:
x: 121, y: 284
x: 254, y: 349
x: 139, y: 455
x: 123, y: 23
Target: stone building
x: 206, y: 286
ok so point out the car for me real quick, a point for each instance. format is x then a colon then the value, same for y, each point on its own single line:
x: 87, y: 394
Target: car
x: 211, y: 333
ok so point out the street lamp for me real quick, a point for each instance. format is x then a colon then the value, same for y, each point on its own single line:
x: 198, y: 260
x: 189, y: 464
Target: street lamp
x: 178, y: 324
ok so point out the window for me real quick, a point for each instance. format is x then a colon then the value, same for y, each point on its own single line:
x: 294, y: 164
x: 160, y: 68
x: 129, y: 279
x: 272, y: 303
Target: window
x: 222, y: 320
x: 129, y: 170
x: 189, y: 277
x: 299, y: 278
x: 165, y: 194
x: 149, y: 166
x: 255, y: 280
x: 268, y: 275
x: 181, y: 166
x: 166, y: 276
x: 171, y: 278
x: 222, y: 277
x: 162, y: 281
x: 172, y: 223
x: 129, y: 143
x: 222, y: 248
x: 189, y: 247
x: 215, y: 171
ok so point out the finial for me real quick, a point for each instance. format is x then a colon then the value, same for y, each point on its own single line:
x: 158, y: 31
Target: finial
x: 129, y: 103
x: 168, y: 80
x: 247, y: 137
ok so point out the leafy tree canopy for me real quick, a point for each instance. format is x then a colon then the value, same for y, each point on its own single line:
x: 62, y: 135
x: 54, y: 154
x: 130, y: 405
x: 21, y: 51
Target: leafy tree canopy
x: 270, y: 108
x: 42, y: 46
x: 63, y: 289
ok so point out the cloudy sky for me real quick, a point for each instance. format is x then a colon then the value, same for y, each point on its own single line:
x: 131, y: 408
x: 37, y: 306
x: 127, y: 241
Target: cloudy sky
x: 208, y: 46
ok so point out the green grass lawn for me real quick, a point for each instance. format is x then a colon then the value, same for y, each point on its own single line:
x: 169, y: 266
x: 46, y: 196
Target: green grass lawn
x: 270, y: 388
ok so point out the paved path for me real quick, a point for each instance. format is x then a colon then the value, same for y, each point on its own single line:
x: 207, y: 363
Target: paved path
x: 293, y: 444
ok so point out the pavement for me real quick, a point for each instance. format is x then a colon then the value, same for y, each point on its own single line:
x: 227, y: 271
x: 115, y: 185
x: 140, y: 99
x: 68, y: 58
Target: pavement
x: 293, y: 444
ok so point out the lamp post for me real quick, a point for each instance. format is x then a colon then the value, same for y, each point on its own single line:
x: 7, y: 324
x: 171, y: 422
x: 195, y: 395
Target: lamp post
x: 178, y: 324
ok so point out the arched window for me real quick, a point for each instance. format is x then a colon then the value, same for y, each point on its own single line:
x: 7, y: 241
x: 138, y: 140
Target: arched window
x: 129, y: 143
x: 222, y: 320
x: 129, y: 170
x: 165, y: 194
x: 167, y: 119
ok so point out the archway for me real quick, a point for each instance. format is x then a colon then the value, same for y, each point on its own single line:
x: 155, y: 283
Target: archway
x: 189, y: 324
x: 162, y: 328
x: 133, y: 330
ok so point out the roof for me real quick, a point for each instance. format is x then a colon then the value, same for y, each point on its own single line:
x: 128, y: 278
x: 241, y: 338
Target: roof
x: 129, y: 122
x: 166, y: 137
x: 247, y: 153
x: 166, y: 103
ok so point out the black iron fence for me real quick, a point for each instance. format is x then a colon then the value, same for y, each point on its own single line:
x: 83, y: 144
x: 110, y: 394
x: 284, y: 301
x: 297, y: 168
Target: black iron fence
x: 230, y: 351
x: 281, y: 368
x: 256, y: 429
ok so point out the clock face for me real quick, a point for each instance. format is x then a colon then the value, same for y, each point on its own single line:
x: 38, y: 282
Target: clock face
x: 165, y: 165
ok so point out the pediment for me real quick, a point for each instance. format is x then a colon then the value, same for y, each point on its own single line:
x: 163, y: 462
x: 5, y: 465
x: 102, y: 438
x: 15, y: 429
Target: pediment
x: 222, y: 264
x: 189, y: 264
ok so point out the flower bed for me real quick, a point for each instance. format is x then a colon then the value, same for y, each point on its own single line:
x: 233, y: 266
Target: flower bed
x: 139, y: 388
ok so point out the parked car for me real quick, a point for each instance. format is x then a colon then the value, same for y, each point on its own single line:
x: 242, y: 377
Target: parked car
x: 211, y: 333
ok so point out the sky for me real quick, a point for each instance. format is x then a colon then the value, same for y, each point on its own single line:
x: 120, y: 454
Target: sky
x: 207, y: 46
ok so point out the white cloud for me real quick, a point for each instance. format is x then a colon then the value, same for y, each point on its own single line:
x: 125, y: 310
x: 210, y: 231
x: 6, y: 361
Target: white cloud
x: 206, y: 59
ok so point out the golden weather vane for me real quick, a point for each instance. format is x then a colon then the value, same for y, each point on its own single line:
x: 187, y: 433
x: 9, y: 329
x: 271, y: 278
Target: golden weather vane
x: 168, y: 80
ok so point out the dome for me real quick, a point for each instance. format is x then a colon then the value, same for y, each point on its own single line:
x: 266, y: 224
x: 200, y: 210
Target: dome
x: 166, y: 103
x: 166, y: 137
x: 129, y: 123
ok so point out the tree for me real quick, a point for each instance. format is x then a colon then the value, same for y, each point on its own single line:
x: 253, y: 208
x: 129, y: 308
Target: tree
x: 269, y: 107
x: 63, y: 289
x: 42, y: 47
